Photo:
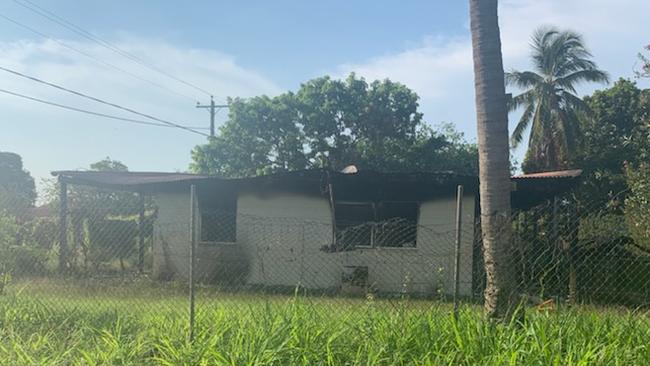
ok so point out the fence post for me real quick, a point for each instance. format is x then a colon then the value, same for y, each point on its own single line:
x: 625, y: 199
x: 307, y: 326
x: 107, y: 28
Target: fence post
x: 554, y: 221
x: 63, y: 224
x: 459, y: 219
x: 141, y: 232
x: 192, y: 256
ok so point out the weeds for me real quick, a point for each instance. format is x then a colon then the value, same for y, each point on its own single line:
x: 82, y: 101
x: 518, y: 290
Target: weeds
x: 54, y: 329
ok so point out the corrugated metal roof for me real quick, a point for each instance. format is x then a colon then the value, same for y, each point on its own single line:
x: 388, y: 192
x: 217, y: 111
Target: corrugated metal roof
x: 574, y: 173
x: 124, y: 178
x: 131, y: 180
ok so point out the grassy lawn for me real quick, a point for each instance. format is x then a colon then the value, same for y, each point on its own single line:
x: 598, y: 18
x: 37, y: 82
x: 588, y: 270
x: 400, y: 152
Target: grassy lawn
x: 48, y: 323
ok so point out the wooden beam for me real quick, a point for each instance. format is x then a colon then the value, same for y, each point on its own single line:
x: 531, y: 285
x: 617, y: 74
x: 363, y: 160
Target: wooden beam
x: 330, y: 192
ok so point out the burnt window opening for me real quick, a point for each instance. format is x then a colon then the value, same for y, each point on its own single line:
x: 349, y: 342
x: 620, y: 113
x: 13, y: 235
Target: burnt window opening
x: 354, y: 221
x: 218, y: 217
x: 372, y: 225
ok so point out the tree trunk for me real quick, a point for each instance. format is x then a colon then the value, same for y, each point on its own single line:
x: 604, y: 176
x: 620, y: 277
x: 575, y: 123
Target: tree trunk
x: 494, y: 159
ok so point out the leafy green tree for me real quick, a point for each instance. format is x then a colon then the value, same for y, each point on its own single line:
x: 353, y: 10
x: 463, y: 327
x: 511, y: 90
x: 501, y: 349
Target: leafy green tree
x: 91, y: 209
x: 17, y: 189
x: 261, y: 136
x: 332, y: 123
x: 644, y: 70
x: 109, y: 165
x: 618, y: 131
x: 351, y: 121
x: 551, y: 108
x: 637, y: 205
x: 102, y: 201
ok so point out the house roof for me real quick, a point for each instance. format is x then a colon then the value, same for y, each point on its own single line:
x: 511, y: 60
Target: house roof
x: 532, y: 189
x: 132, y: 179
x: 574, y: 173
x: 528, y: 189
x: 123, y: 180
x: 135, y: 179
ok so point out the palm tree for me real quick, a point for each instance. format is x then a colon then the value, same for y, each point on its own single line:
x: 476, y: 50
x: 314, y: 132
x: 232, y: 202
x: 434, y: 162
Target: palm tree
x: 551, y: 107
x: 494, y: 164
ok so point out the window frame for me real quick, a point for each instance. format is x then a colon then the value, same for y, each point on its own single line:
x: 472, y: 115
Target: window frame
x: 373, y: 229
x: 201, y: 211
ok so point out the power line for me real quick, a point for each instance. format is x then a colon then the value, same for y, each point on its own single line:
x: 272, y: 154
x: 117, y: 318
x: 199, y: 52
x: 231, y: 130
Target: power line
x: 88, y: 35
x: 103, y: 63
x: 99, y: 100
x: 137, y: 121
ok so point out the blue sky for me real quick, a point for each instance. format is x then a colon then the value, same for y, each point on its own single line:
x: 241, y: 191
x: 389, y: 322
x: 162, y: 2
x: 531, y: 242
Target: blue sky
x: 260, y: 47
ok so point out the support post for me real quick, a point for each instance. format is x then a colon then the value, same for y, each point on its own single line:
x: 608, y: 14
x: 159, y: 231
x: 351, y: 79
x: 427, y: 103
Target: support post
x: 141, y: 233
x: 571, y: 244
x: 554, y: 223
x: 63, y: 225
x: 459, y: 221
x: 330, y: 192
x: 193, y: 209
x: 212, y: 113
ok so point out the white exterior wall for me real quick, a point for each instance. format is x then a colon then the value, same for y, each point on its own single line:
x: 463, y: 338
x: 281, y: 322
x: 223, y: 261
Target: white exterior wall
x: 437, y: 233
x: 280, y: 239
x: 171, y: 247
x: 283, y: 235
x: 171, y: 235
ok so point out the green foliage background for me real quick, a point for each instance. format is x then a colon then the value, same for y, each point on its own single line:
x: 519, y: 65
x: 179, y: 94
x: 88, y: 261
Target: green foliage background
x: 332, y: 123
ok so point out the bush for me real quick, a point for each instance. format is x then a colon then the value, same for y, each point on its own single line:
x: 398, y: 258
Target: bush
x: 24, y: 249
x: 24, y: 260
x: 637, y: 205
x: 111, y: 239
x: 40, y: 233
x: 8, y: 238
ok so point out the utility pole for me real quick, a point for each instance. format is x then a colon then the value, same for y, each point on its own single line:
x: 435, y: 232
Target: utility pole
x: 213, y: 111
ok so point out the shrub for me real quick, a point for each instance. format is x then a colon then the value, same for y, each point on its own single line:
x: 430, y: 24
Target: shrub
x: 23, y: 248
x: 112, y: 239
x: 637, y: 205
x: 40, y: 233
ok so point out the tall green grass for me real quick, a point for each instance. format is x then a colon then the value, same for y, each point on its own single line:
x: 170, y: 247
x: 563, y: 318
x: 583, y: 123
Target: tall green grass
x: 142, y: 328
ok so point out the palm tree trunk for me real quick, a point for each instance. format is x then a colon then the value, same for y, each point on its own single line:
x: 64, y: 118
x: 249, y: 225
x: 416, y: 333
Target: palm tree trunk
x: 494, y: 163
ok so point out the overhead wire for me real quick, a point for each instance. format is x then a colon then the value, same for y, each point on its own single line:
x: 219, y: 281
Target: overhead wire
x: 63, y: 106
x: 103, y: 63
x: 98, y: 100
x: 90, y: 36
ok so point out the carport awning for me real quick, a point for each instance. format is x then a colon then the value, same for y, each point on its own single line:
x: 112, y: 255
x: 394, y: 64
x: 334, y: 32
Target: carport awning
x: 129, y: 181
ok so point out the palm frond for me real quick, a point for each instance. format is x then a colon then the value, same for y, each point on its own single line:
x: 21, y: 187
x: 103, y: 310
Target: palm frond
x: 568, y: 126
x: 585, y: 75
x: 561, y: 132
x: 573, y: 132
x: 522, y: 125
x: 523, y: 79
x: 524, y: 98
x: 541, y: 39
x: 542, y: 55
x: 576, y: 104
x: 536, y: 136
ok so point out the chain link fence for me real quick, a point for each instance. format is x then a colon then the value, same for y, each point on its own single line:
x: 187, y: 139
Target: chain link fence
x: 181, y: 259
x: 575, y: 253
